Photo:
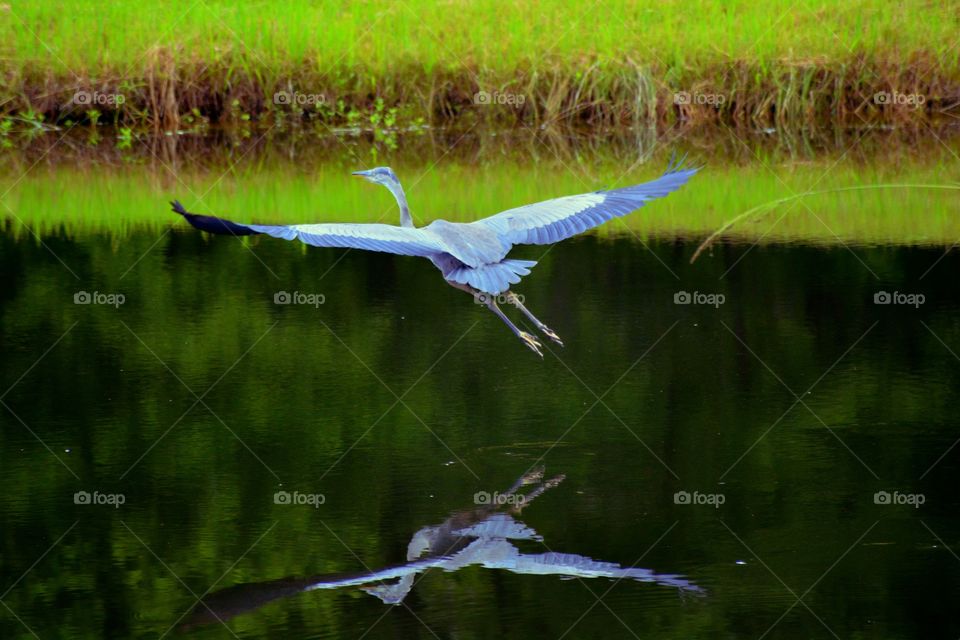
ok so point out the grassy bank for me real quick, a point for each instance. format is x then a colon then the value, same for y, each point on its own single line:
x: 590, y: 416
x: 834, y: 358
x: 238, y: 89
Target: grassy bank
x: 175, y: 63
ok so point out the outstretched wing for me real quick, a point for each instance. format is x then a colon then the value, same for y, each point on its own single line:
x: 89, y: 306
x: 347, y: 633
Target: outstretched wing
x: 405, y: 241
x: 554, y: 220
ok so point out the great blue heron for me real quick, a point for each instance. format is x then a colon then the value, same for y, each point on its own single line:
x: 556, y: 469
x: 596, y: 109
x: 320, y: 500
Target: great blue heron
x: 487, y: 535
x: 471, y: 256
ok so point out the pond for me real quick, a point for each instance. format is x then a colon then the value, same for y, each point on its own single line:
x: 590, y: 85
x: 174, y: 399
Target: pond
x: 758, y: 444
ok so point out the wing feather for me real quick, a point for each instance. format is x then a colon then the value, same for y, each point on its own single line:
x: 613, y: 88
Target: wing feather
x: 554, y: 220
x: 406, y: 241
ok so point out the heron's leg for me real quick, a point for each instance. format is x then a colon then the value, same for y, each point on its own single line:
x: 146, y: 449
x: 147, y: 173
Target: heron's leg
x: 527, y: 339
x: 533, y: 476
x: 536, y: 493
x: 512, y: 298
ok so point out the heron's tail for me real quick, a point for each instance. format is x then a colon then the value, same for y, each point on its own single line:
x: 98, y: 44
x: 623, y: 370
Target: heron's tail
x: 493, y: 278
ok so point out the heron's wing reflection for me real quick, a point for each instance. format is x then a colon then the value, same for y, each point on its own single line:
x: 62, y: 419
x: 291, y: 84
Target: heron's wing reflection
x: 491, y: 548
x: 577, y: 566
x: 242, y: 598
x: 481, y: 536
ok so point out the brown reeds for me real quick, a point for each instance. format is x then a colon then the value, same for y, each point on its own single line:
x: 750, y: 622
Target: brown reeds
x: 161, y: 91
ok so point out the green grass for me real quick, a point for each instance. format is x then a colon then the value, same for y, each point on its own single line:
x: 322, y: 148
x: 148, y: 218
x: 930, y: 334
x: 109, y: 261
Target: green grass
x: 616, y: 61
x: 379, y: 36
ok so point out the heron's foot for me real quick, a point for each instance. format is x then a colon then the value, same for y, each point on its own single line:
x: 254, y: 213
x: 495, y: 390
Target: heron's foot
x: 531, y: 341
x: 552, y: 482
x: 534, y: 476
x: 547, y: 331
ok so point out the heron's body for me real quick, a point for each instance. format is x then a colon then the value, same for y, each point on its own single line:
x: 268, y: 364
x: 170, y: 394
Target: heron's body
x: 470, y: 256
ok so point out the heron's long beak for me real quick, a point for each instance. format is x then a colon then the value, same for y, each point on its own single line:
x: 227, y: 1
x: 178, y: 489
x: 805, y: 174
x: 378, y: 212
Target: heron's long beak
x: 361, y: 174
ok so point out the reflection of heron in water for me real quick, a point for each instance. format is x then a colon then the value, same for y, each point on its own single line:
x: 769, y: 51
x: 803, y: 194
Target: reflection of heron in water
x: 482, y: 536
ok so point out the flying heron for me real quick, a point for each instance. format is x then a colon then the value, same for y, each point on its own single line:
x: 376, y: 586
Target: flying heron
x: 471, y: 256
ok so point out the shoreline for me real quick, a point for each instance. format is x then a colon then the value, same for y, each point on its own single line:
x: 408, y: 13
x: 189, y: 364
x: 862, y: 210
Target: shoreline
x: 167, y: 96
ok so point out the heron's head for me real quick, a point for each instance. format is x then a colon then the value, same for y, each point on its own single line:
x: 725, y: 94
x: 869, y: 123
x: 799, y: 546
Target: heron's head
x: 380, y: 175
x: 386, y: 177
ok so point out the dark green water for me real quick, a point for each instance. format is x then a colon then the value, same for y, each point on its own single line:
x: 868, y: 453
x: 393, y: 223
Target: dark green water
x: 398, y: 399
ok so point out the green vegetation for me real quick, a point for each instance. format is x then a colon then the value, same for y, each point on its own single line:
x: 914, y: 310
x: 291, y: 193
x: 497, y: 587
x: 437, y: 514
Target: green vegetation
x: 773, y: 62
x: 122, y: 189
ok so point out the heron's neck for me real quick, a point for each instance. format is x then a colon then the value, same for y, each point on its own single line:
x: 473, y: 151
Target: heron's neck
x: 406, y: 220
